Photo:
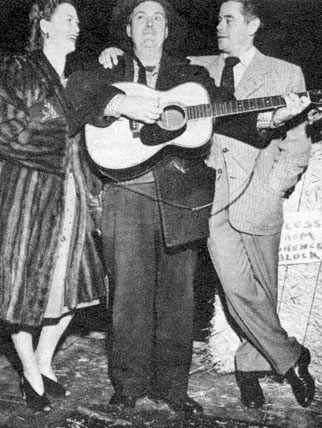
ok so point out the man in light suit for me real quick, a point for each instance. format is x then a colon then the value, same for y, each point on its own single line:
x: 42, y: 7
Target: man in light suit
x: 247, y: 213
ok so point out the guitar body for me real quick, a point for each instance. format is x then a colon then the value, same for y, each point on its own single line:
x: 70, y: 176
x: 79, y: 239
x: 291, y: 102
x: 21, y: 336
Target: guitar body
x: 127, y: 149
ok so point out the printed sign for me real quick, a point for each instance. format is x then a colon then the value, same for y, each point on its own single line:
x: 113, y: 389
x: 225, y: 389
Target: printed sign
x: 301, y: 240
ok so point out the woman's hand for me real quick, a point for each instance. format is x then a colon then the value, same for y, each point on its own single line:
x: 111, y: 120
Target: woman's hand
x: 108, y: 57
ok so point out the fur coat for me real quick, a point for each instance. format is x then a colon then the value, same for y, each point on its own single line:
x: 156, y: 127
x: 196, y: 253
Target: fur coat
x: 36, y: 156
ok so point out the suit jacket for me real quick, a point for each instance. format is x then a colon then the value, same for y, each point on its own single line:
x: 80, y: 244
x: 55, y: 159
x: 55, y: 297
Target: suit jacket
x: 258, y: 179
x: 180, y: 180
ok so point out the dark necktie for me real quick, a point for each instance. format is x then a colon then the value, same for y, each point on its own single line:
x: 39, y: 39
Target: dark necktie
x: 142, y: 71
x: 142, y: 74
x: 142, y: 80
x: 227, y: 78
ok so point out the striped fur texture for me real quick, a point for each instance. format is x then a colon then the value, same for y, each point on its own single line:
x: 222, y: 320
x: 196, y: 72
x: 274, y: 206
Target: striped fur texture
x: 35, y: 157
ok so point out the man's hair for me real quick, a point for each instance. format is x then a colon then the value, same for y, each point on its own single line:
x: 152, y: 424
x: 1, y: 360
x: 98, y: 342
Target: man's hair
x: 250, y: 8
x: 121, y: 16
x: 130, y: 5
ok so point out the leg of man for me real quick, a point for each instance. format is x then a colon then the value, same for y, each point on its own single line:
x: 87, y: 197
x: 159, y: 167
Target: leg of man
x: 174, y: 322
x: 246, y: 268
x: 128, y: 233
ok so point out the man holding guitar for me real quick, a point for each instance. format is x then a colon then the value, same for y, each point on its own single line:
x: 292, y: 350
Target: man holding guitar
x: 152, y: 219
x: 247, y: 213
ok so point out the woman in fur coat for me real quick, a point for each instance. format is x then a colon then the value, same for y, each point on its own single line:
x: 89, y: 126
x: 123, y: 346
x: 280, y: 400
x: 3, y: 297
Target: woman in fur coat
x: 49, y: 265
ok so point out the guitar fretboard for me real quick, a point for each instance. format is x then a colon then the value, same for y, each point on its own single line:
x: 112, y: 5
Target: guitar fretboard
x: 232, y: 107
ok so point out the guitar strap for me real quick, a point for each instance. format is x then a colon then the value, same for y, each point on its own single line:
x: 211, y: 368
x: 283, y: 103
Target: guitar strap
x: 164, y: 201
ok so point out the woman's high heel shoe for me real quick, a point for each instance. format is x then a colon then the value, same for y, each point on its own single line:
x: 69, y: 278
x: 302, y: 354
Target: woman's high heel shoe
x: 54, y: 388
x: 33, y: 399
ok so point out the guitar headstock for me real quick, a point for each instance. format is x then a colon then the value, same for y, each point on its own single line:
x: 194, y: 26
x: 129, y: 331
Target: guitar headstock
x: 316, y: 97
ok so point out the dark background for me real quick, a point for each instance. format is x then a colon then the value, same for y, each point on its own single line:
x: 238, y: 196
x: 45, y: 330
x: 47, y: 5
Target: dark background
x: 292, y: 31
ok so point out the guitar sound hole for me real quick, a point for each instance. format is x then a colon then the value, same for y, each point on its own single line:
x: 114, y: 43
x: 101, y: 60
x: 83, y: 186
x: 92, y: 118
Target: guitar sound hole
x: 173, y: 117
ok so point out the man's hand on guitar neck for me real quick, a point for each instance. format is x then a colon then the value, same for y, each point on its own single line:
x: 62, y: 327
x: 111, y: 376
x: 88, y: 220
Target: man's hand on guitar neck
x: 142, y: 109
x: 294, y: 106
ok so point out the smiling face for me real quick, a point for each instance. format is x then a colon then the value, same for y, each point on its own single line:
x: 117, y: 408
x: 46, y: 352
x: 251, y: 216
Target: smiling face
x: 148, y: 27
x: 63, y: 28
x: 235, y: 33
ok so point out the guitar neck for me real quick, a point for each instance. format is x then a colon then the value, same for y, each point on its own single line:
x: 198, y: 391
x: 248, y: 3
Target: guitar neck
x: 228, y: 108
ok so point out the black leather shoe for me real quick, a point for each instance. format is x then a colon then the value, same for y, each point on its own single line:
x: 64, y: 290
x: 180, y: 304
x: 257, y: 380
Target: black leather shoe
x: 302, y: 383
x: 184, y: 405
x: 34, y: 400
x: 123, y: 401
x: 251, y: 393
x: 54, y: 388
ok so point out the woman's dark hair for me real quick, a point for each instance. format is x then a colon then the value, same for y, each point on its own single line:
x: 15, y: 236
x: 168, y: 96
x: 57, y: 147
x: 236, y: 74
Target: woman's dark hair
x: 177, y: 26
x: 41, y: 9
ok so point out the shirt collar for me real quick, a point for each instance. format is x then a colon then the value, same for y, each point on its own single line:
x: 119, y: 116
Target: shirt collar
x: 246, y: 57
x: 151, y: 77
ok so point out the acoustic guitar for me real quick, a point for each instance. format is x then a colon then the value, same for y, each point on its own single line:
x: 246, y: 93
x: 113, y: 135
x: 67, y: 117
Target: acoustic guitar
x: 127, y: 149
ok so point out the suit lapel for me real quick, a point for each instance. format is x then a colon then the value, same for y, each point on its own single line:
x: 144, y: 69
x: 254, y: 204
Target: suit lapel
x: 253, y: 78
x: 127, y: 68
x: 165, y: 75
x: 162, y: 77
